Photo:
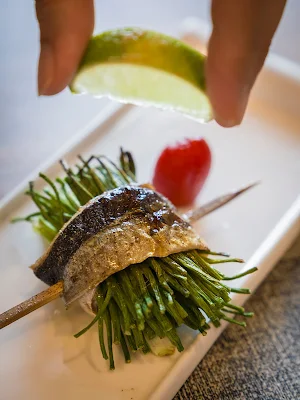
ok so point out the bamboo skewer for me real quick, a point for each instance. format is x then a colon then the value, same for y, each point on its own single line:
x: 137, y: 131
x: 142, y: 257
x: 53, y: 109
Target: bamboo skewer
x: 35, y: 302
x: 200, y: 212
x: 55, y: 291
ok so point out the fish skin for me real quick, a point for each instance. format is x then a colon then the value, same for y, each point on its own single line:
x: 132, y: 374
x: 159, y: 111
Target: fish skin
x: 119, y: 228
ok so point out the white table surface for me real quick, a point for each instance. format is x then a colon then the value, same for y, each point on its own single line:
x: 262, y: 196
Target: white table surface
x: 33, y: 128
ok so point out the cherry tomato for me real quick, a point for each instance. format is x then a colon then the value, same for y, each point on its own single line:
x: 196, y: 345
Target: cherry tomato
x: 181, y: 171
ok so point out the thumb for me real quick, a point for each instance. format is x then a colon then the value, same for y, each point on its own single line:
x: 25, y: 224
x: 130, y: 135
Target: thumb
x: 65, y: 28
x: 242, y: 34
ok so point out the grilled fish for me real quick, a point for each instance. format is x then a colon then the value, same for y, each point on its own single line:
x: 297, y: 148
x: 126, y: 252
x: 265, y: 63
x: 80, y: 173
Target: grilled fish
x: 119, y: 228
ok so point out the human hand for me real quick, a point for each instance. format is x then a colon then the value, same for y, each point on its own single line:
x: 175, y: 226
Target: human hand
x: 241, y: 37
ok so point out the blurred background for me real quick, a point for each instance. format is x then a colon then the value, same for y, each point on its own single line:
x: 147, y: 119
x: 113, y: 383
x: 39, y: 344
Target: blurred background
x: 33, y: 128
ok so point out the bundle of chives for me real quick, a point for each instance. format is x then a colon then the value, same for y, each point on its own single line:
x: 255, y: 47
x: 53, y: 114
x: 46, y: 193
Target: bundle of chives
x: 146, y: 300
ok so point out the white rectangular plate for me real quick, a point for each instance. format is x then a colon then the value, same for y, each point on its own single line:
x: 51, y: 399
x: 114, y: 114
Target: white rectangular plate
x: 40, y: 359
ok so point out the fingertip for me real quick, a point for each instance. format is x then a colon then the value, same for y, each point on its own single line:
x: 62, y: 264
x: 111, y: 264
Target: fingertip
x: 227, y: 94
x: 53, y: 77
x: 65, y: 28
x: 240, y: 40
x: 58, y: 63
x: 226, y: 123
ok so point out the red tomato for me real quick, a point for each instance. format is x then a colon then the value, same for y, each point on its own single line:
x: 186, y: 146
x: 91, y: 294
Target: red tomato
x: 181, y: 171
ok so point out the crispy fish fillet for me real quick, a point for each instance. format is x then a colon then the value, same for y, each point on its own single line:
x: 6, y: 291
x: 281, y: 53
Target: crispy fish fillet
x: 121, y: 227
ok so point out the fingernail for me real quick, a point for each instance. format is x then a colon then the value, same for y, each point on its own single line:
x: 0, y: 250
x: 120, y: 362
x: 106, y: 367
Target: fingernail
x: 242, y: 102
x: 45, y: 74
x: 237, y: 114
x: 227, y: 123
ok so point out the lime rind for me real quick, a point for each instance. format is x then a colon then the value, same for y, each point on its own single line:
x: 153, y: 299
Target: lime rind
x: 145, y: 68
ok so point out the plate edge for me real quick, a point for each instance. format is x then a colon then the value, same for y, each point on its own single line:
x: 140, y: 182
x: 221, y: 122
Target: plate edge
x: 267, y: 255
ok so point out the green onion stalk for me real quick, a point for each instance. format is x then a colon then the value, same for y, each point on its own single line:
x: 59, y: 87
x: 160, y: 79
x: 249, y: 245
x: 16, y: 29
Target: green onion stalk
x: 147, y: 300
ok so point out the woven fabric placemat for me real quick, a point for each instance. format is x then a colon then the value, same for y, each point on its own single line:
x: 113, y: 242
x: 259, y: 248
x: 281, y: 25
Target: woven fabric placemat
x: 263, y: 360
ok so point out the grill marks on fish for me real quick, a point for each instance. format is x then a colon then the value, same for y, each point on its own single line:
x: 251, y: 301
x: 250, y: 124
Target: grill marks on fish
x: 114, y: 230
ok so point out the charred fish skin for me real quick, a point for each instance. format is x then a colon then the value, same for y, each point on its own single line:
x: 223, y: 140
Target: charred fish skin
x: 114, y: 230
x: 95, y: 216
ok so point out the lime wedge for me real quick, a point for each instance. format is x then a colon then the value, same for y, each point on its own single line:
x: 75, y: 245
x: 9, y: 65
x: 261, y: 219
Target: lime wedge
x: 146, y: 68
